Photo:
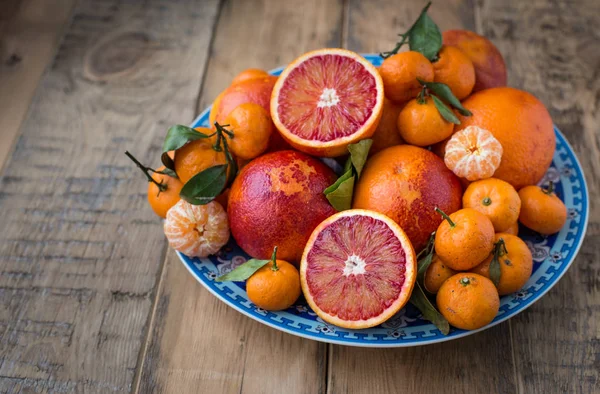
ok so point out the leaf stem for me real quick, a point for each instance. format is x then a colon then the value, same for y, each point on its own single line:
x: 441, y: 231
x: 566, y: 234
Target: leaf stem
x: 161, y: 186
x: 404, y: 36
x: 446, y: 217
x: 550, y: 189
x: 274, y: 260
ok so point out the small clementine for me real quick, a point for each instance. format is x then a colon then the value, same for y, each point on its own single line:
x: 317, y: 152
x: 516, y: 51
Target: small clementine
x: 274, y: 287
x: 456, y: 70
x: 400, y: 72
x: 252, y: 127
x: 468, y: 301
x: 464, y: 239
x: 515, y: 260
x: 496, y: 199
x: 542, y: 210
x: 421, y: 124
x: 436, y: 275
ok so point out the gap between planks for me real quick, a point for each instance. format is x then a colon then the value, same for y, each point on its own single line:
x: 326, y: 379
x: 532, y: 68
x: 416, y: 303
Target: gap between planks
x: 162, y: 269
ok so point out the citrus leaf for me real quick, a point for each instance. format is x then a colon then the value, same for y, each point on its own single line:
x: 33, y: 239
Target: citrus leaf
x: 422, y: 303
x: 494, y: 269
x: 168, y: 172
x: 167, y: 161
x: 244, y: 271
x: 445, y: 111
x: 179, y: 135
x: 425, y: 36
x: 444, y: 92
x: 205, y: 186
x: 422, y: 266
x: 340, y: 193
x: 358, y: 154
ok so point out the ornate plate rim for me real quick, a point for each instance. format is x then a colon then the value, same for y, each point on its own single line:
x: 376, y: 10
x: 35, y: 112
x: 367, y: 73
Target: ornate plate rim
x: 421, y: 341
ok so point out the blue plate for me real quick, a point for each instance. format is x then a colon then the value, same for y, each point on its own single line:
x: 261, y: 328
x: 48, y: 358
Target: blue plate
x: 552, y: 257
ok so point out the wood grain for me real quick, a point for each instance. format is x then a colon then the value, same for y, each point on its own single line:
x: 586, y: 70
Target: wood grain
x: 552, y: 51
x: 29, y: 34
x: 79, y: 247
x: 459, y: 366
x: 198, y: 343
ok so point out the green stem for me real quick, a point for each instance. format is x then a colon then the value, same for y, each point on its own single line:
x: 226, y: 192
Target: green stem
x: 404, y: 36
x: 161, y: 187
x: 421, y: 97
x: 274, y: 259
x: 500, y: 249
x: 486, y: 201
x: 550, y: 189
x: 446, y: 217
x: 464, y: 281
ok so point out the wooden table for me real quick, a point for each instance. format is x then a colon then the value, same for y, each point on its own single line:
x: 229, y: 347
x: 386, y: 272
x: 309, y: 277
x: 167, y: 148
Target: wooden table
x: 93, y: 300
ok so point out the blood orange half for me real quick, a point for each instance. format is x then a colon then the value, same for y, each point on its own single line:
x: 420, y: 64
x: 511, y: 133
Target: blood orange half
x: 327, y: 99
x: 358, y: 269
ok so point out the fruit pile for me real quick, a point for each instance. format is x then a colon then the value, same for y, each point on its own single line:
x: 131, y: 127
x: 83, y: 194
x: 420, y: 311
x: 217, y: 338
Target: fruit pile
x: 365, y: 188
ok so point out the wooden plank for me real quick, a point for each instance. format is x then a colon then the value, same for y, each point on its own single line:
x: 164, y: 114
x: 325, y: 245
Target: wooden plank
x: 199, y: 344
x: 552, y: 53
x: 79, y: 247
x: 29, y: 34
x: 458, y: 366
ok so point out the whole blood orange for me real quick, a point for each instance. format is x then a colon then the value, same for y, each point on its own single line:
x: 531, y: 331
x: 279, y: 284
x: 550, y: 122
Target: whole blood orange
x: 358, y: 269
x: 327, y: 99
x: 407, y: 183
x: 522, y: 125
x: 277, y: 200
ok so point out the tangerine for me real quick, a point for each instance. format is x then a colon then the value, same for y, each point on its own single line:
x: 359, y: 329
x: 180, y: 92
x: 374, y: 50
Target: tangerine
x: 468, y: 301
x: 456, y: 70
x: 436, y: 274
x: 542, y: 210
x: 516, y: 263
x: 251, y: 73
x: 464, y: 239
x: 196, y: 156
x: 386, y: 134
x: 496, y: 199
x: 399, y: 73
x: 421, y: 124
x: 274, y: 287
x: 252, y: 127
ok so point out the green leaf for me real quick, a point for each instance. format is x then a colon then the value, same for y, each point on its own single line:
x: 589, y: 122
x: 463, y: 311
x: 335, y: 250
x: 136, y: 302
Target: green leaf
x: 358, y: 154
x: 425, y: 36
x: 422, y: 266
x: 340, y: 193
x: 445, y: 111
x: 422, y: 303
x: 494, y: 269
x: 179, y: 135
x: 167, y: 161
x: 244, y: 271
x: 205, y: 186
x: 443, y: 91
x: 168, y: 172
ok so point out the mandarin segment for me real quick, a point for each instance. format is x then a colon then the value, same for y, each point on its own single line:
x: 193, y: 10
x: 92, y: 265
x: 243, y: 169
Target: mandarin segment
x: 473, y: 153
x: 358, y: 269
x: 197, y: 230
